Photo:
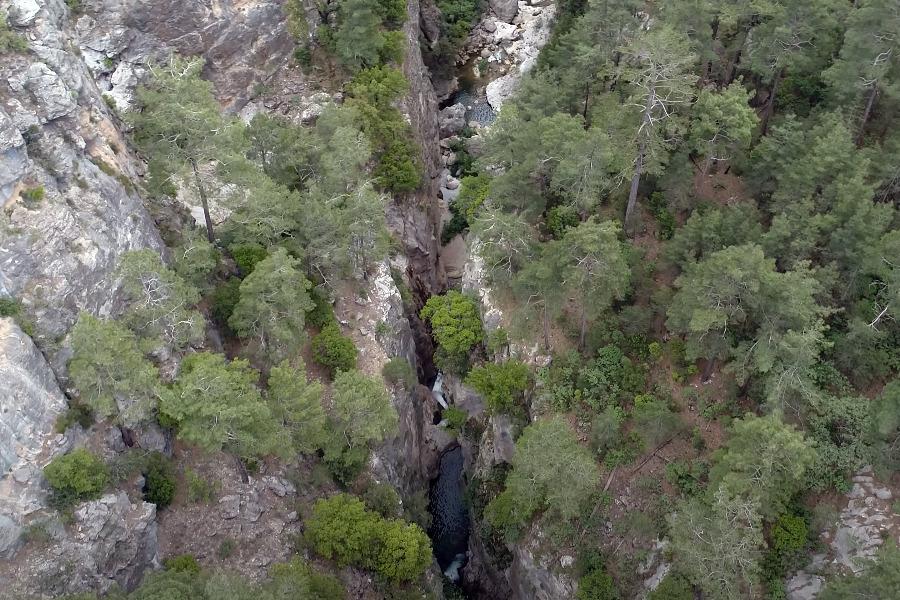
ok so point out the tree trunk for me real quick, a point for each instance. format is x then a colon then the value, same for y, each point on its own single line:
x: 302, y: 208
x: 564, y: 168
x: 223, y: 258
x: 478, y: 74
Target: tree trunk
x: 868, y: 113
x: 704, y: 172
x: 210, y: 234
x: 587, y: 97
x: 770, y: 103
x: 707, y: 373
x: 583, y: 328
x: 639, y: 161
x: 546, y: 329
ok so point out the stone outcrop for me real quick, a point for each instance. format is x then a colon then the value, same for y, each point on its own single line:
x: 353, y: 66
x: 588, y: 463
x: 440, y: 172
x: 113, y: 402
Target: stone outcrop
x: 109, y: 540
x: 244, y: 42
x: 505, y: 9
x: 30, y: 402
x: 867, y: 520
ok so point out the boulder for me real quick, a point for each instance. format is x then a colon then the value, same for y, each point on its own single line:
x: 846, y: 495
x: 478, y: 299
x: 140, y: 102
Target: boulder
x: 489, y: 26
x: 500, y: 90
x: 505, y: 9
x: 52, y: 96
x: 452, y: 120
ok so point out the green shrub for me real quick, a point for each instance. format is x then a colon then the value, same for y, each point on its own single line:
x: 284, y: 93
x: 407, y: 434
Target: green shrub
x: 672, y: 587
x: 199, y: 488
x: 247, y: 256
x: 161, y: 481
x: 10, y: 41
x: 789, y: 533
x: 186, y: 563
x: 322, y: 313
x: 596, y: 585
x: 501, y: 385
x: 399, y: 372
x: 342, y: 528
x: 456, y: 225
x: 225, y: 298
x: 688, y: 477
x: 226, y: 548
x: 456, y: 418
x: 74, y: 477
x: 77, y: 413
x: 396, y: 170
x: 334, y: 351
x: 560, y: 218
x: 32, y: 197
x: 382, y: 498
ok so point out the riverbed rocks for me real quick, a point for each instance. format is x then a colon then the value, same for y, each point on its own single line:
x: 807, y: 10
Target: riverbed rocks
x: 511, y: 46
x: 452, y: 120
x: 504, y: 9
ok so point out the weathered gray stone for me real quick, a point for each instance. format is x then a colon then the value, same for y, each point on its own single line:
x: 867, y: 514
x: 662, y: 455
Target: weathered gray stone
x: 110, y: 540
x: 54, y: 99
x: 30, y: 403
x: 230, y: 506
x: 13, y: 157
x: 452, y: 120
x: 505, y: 9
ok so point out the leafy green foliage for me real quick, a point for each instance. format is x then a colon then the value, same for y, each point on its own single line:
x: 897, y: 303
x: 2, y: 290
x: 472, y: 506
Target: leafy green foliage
x: 75, y: 477
x: 216, y: 404
x: 186, y: 563
x: 225, y: 298
x: 272, y: 308
x: 247, y: 256
x: 10, y: 41
x: 322, y: 313
x: 110, y: 372
x: 341, y: 528
x: 334, y: 351
x: 765, y: 461
x: 455, y: 321
x: 502, y: 385
x: 456, y: 419
x: 195, y: 259
x: 596, y: 585
x: 398, y: 372
x: 550, y: 471
x: 297, y: 404
x: 161, y: 483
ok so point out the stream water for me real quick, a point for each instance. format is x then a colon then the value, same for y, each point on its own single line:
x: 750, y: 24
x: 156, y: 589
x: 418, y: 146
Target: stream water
x: 450, y: 527
x: 471, y: 95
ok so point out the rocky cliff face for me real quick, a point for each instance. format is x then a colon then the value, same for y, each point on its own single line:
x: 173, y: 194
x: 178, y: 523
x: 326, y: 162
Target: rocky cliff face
x: 69, y: 207
x: 30, y: 402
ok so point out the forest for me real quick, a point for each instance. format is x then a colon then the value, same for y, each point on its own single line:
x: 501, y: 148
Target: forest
x: 690, y: 208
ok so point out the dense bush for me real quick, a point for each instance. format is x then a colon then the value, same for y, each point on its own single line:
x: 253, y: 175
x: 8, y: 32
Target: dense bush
x: 596, y: 585
x: 334, y: 351
x: 247, y: 256
x: 322, y: 313
x: 186, y: 563
x: 502, y: 385
x: 74, y: 477
x: 455, y: 419
x: 161, y: 482
x: 225, y: 298
x: 398, y: 372
x: 341, y: 528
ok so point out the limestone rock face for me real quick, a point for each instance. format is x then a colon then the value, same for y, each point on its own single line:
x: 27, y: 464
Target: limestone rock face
x: 30, y: 402
x: 110, y: 540
x: 244, y: 41
x: 505, y: 9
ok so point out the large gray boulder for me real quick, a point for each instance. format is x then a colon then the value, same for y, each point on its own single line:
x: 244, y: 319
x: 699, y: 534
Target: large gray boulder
x: 13, y: 157
x: 505, y: 9
x: 452, y: 120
